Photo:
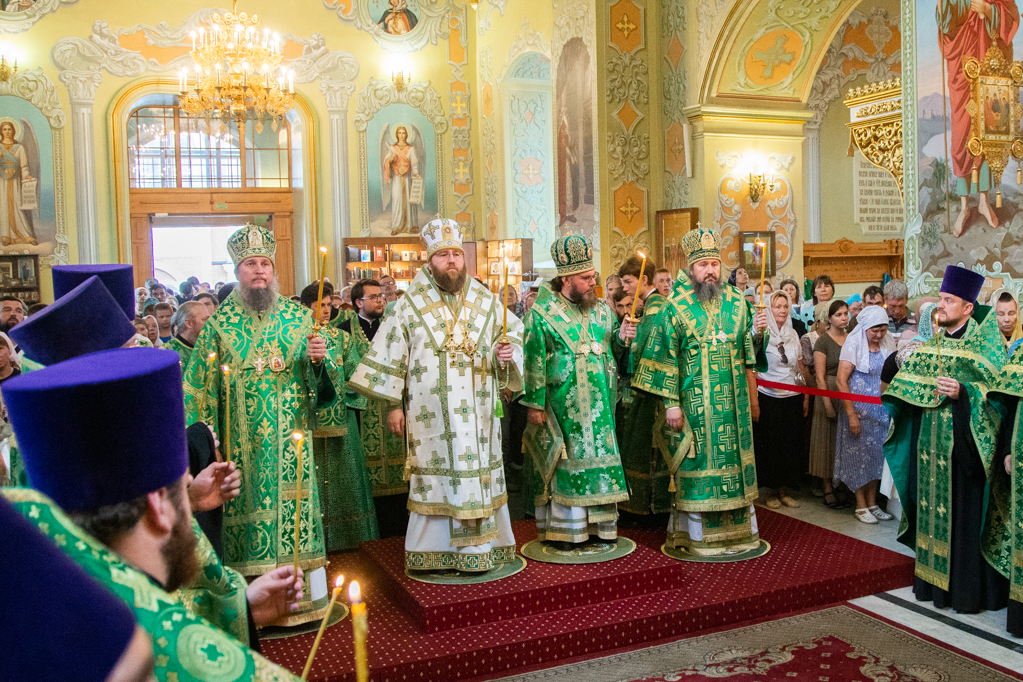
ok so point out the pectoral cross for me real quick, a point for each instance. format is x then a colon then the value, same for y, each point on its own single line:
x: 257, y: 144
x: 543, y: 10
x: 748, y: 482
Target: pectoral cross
x: 260, y: 365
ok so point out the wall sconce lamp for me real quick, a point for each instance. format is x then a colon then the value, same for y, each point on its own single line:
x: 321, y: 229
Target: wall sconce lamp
x: 759, y: 184
x: 7, y: 72
x: 400, y: 79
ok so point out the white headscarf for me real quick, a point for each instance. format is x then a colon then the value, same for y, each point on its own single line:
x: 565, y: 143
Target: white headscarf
x: 785, y: 334
x: 15, y: 357
x: 856, y: 349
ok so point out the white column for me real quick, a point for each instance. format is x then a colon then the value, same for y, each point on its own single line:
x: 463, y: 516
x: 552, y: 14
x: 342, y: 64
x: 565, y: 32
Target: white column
x: 82, y: 90
x: 813, y: 182
x: 341, y: 211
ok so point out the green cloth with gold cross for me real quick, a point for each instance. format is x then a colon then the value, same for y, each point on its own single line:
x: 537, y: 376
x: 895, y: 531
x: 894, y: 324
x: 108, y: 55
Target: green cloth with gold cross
x: 385, y: 450
x: 274, y: 390
x: 697, y: 359
x: 1008, y: 389
x: 186, y: 647
x: 975, y: 360
x: 643, y: 435
x: 346, y: 497
x: 571, y: 375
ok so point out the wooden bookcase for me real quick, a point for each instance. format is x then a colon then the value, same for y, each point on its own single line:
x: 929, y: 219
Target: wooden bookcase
x: 520, y: 261
x: 19, y: 276
x: 401, y: 258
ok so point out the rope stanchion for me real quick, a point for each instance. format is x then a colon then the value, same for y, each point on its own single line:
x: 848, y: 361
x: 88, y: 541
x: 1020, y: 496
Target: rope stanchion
x: 837, y: 395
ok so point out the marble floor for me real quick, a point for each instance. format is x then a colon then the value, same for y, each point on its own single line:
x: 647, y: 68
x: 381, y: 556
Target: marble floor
x: 982, y: 635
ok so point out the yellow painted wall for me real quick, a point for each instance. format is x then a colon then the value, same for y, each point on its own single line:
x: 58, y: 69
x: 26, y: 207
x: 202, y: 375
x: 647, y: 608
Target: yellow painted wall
x: 300, y: 19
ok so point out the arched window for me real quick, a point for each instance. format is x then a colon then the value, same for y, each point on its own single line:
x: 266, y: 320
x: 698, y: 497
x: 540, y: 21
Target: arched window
x: 167, y: 148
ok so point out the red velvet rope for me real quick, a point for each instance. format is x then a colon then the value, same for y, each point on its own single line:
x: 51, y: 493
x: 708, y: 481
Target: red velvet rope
x: 838, y: 395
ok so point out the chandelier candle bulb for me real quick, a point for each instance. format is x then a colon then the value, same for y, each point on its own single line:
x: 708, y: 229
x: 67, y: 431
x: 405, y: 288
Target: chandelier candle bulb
x: 298, y: 437
x: 191, y: 34
x: 360, y: 628
x: 323, y: 626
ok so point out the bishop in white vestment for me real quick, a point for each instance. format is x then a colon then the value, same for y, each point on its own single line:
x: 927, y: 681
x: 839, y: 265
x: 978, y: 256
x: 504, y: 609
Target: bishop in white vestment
x: 440, y: 360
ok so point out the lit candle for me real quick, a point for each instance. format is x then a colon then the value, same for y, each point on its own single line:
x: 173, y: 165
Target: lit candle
x: 202, y: 36
x: 504, y: 339
x: 227, y: 414
x: 218, y: 74
x: 297, y: 437
x: 639, y: 283
x: 323, y: 626
x: 291, y: 82
x: 360, y: 628
x: 763, y: 270
x: 192, y: 36
x: 319, y: 297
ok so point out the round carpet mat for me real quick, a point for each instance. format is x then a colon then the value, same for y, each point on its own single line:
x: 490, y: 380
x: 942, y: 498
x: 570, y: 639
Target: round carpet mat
x: 592, y: 552
x: 452, y: 577
x: 683, y: 555
x: 337, y: 614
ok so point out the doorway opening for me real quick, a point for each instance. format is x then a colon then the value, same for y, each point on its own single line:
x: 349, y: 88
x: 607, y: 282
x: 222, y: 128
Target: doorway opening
x: 196, y: 245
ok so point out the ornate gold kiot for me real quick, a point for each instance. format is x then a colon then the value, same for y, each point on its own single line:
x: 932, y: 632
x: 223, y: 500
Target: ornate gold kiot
x: 875, y: 126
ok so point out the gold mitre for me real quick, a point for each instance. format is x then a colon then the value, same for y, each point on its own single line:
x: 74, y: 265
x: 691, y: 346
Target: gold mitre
x: 699, y: 244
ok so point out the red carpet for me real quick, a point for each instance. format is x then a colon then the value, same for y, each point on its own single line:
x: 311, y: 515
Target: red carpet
x: 550, y: 613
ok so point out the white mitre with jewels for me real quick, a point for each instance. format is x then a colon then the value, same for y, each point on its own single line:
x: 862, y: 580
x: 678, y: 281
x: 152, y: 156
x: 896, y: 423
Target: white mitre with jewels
x: 442, y: 233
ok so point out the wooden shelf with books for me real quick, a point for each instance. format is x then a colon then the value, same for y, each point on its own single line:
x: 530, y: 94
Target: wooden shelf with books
x: 520, y: 262
x: 400, y: 257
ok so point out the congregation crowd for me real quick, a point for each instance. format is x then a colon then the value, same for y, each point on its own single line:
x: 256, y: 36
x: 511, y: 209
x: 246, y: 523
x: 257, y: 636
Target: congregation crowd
x: 343, y: 416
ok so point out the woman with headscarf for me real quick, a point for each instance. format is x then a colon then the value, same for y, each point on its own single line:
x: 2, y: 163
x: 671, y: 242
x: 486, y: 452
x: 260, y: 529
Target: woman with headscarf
x: 1007, y: 313
x: 10, y: 362
x: 826, y: 354
x: 863, y: 427
x: 739, y: 278
x: 778, y: 413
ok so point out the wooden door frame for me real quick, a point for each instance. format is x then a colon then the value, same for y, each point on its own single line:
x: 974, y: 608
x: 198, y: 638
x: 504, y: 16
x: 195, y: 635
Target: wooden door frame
x: 277, y: 203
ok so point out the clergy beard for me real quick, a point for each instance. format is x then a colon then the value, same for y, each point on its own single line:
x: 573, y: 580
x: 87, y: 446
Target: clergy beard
x: 452, y: 285
x: 705, y: 291
x: 259, y: 299
x: 179, y: 552
x: 585, y: 300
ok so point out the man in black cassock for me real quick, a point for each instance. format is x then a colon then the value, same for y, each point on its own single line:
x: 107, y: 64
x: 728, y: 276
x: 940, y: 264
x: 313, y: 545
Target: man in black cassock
x: 942, y: 453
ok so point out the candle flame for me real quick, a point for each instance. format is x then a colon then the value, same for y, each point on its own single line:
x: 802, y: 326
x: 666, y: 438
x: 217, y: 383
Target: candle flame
x: 760, y: 243
x: 354, y: 591
x: 323, y: 249
x: 225, y: 369
x: 339, y: 582
x: 212, y: 357
x: 641, y: 255
x: 297, y: 435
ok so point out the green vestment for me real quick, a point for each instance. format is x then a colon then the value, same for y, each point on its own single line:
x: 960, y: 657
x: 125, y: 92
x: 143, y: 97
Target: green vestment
x: 1008, y: 389
x: 640, y: 425
x: 346, y: 497
x: 571, y: 375
x: 183, y: 351
x: 274, y: 389
x: 975, y: 361
x: 186, y: 647
x: 385, y: 451
x: 697, y: 359
x: 217, y: 593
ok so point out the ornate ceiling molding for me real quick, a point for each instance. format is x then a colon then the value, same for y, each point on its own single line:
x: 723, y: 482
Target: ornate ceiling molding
x: 16, y: 22
x: 528, y: 40
x: 39, y: 91
x: 432, y: 25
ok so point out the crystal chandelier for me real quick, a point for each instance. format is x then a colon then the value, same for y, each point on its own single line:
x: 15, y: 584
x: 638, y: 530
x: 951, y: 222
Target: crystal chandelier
x: 236, y: 73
